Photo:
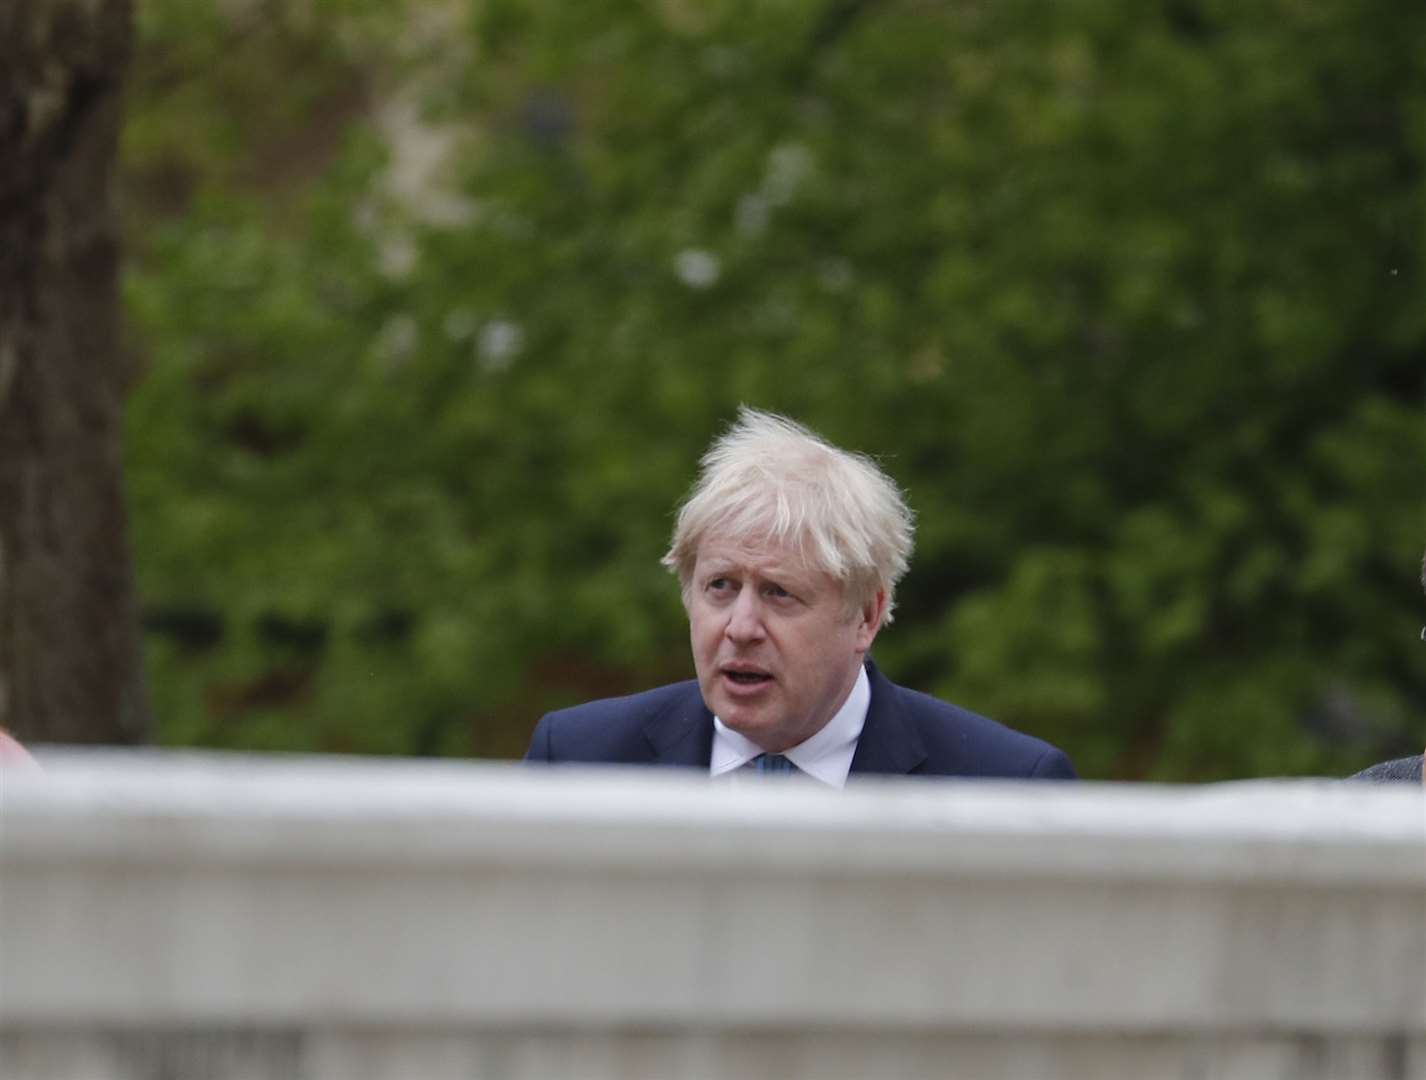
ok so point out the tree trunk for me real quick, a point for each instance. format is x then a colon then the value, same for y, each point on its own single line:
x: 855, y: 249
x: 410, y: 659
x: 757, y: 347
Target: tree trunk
x: 69, y: 649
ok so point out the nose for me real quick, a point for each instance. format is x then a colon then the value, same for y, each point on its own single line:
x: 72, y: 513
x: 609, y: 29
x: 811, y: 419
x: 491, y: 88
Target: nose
x: 745, y: 620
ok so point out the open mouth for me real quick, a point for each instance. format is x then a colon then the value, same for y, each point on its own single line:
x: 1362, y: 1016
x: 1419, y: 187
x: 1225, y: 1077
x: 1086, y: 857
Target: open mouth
x: 747, y: 678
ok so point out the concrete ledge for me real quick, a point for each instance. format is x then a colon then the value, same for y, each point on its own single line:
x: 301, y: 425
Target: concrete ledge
x: 467, y: 910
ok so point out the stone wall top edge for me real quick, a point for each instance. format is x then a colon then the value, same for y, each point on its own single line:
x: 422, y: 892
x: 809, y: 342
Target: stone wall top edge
x: 217, y: 786
x: 170, y: 807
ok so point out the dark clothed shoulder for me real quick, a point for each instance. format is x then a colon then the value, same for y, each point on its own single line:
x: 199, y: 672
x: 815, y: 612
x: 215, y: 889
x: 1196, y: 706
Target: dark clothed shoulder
x: 1407, y: 769
x: 628, y: 730
x: 958, y: 742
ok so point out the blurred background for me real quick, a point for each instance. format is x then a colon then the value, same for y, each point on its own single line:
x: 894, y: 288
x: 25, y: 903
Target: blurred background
x: 433, y: 304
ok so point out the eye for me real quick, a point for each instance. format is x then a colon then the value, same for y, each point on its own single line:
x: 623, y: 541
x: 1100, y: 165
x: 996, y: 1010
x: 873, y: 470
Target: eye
x: 718, y: 584
x: 777, y: 592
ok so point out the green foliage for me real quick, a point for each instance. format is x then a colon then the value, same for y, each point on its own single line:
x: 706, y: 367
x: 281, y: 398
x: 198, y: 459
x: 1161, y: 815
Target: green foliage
x: 1130, y: 299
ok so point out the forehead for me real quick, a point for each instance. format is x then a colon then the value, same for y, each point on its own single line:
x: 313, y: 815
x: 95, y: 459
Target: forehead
x: 758, y: 554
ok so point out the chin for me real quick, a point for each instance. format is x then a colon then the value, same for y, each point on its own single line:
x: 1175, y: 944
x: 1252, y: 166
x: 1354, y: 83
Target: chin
x: 749, y: 722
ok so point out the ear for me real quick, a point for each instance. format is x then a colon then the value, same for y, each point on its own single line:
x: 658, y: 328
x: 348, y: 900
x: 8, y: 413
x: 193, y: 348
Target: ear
x: 869, y: 617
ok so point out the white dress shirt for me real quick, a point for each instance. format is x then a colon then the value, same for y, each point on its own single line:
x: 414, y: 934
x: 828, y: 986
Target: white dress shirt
x: 826, y: 755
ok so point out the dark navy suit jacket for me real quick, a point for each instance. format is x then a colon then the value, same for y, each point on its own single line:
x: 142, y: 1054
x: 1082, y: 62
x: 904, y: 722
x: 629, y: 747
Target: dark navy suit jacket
x: 905, y: 733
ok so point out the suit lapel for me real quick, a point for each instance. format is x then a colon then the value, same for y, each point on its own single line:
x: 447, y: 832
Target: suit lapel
x: 889, y: 743
x: 682, y: 734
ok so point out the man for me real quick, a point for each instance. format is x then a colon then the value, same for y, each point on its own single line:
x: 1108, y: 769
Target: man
x: 788, y: 551
x: 1408, y: 769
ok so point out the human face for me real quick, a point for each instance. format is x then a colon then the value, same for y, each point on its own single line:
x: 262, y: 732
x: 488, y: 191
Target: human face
x: 774, y: 646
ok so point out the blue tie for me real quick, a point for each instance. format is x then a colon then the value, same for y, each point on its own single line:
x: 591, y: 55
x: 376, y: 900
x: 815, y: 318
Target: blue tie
x: 773, y: 763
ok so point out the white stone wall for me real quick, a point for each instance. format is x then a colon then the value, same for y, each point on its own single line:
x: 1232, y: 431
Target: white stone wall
x: 170, y: 916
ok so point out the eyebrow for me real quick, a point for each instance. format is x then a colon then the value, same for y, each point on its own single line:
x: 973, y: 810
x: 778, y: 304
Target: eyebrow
x: 788, y: 577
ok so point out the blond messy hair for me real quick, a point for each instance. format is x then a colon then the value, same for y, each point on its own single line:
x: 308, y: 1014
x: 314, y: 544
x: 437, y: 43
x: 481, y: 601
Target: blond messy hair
x: 771, y: 479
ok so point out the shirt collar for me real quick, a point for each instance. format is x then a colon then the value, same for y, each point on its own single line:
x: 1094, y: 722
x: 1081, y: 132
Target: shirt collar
x: 825, y: 755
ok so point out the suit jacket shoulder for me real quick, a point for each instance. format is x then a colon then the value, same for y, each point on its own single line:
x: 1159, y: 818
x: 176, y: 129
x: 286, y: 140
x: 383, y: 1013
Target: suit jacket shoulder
x: 1407, y: 769
x: 666, y: 726
x: 910, y: 732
